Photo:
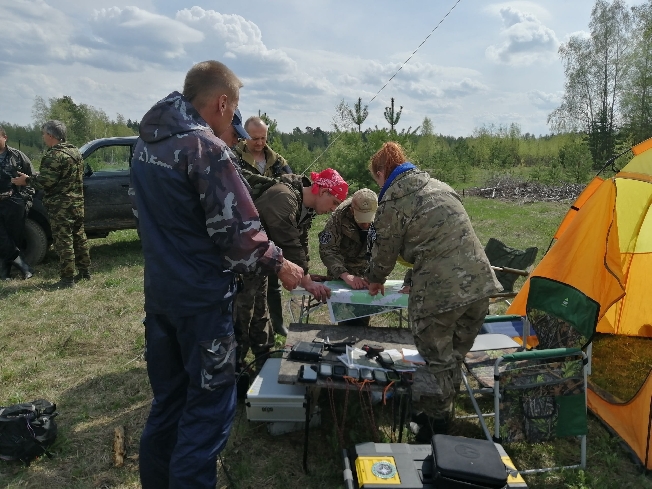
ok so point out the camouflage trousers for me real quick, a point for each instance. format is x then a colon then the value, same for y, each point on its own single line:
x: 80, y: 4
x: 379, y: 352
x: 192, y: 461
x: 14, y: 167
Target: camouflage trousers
x: 443, y: 340
x: 252, y: 325
x: 69, y: 238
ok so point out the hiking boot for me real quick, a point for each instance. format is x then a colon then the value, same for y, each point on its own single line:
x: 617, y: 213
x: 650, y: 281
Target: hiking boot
x: 425, y: 427
x: 65, y: 283
x: 5, y: 269
x: 243, y: 384
x: 82, y: 275
x: 25, y: 270
x: 280, y: 329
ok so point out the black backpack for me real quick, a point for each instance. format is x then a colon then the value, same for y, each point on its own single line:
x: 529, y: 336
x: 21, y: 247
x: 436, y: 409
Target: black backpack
x: 27, y: 430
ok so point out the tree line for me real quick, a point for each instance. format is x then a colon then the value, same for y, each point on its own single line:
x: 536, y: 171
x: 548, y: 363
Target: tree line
x: 605, y: 109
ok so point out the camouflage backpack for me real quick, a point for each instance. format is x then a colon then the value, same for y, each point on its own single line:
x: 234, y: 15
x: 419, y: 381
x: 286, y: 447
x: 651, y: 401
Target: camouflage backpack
x: 259, y: 183
x: 27, y: 430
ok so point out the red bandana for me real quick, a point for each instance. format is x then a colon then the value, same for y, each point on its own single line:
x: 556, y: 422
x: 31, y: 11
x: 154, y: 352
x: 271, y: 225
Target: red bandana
x: 331, y: 180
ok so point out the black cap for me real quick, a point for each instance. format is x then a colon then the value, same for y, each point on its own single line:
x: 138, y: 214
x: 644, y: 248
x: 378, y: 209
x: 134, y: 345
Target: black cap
x: 237, y: 124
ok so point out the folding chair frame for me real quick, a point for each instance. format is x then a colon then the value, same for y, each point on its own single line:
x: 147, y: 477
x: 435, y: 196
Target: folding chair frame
x: 557, y: 353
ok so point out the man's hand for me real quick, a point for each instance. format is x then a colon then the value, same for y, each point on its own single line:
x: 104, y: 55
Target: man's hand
x: 20, y: 180
x: 354, y: 282
x: 317, y: 290
x: 374, y: 288
x: 405, y: 290
x: 290, y: 274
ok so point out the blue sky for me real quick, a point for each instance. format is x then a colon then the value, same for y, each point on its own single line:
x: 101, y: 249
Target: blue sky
x: 488, y: 63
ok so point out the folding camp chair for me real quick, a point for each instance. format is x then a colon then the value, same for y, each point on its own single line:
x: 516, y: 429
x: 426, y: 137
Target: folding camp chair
x: 539, y: 395
x: 509, y: 263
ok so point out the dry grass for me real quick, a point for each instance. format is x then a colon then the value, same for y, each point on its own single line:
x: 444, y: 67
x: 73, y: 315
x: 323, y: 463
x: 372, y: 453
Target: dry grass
x: 82, y: 347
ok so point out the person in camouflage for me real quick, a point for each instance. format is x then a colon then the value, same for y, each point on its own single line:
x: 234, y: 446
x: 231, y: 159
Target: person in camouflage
x: 234, y: 132
x: 286, y: 212
x: 423, y: 220
x: 256, y: 156
x: 14, y: 204
x: 343, y: 243
x: 61, y: 177
x: 198, y: 228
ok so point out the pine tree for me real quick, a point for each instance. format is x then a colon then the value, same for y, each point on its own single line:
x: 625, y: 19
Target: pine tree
x: 391, y: 116
x: 358, y: 114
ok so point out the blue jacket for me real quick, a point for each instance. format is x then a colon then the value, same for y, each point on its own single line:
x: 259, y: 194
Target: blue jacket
x: 197, y: 222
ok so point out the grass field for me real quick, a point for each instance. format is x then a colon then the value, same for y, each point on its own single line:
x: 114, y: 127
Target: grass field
x: 82, y: 348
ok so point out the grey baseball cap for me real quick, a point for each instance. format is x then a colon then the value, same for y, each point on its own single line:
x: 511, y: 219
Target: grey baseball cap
x: 237, y: 124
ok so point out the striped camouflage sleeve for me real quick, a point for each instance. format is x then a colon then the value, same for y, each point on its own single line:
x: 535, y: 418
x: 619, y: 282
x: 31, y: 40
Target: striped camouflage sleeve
x: 232, y: 220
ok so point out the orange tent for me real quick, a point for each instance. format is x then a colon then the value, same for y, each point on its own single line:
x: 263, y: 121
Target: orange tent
x: 594, y: 277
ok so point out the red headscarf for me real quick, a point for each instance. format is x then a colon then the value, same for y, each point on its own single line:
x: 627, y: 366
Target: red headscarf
x: 331, y: 180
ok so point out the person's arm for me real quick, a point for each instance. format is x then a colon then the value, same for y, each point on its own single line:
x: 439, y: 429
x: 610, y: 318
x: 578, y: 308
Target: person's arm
x: 25, y: 165
x: 388, y: 227
x: 232, y: 220
x: 48, y: 176
x: 330, y: 240
x: 279, y: 213
x: 407, y: 282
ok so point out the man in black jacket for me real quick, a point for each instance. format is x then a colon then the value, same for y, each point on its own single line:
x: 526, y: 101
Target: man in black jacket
x: 13, y: 208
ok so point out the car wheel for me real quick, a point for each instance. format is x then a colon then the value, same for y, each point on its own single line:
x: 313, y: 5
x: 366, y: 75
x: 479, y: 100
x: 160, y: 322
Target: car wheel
x: 36, y: 242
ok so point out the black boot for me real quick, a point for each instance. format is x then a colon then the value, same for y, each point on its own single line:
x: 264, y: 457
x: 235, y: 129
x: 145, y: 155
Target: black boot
x: 82, y: 275
x: 24, y: 268
x: 5, y: 269
x: 279, y: 328
x: 425, y: 427
x: 65, y: 283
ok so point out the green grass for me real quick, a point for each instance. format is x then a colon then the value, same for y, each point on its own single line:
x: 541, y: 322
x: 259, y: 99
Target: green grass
x: 82, y: 348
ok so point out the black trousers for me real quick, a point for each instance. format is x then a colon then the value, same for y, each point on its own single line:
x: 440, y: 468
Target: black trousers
x: 12, y: 227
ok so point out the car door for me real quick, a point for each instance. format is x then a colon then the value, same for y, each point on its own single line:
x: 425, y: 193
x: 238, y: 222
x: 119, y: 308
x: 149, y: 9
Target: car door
x: 106, y: 201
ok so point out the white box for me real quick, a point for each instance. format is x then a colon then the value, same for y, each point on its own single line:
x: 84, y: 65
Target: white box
x: 267, y: 400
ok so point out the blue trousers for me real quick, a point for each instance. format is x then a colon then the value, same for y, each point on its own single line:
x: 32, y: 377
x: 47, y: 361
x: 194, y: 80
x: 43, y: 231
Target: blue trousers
x: 191, y: 368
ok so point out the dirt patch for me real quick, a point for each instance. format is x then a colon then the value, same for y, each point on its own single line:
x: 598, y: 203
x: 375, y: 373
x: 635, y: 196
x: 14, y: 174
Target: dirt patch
x: 515, y: 190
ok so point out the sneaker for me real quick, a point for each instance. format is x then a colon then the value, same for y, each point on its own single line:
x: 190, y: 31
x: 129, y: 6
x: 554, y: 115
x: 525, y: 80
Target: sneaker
x: 82, y: 275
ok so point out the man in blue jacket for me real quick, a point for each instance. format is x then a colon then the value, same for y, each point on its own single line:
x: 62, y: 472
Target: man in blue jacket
x: 198, y: 228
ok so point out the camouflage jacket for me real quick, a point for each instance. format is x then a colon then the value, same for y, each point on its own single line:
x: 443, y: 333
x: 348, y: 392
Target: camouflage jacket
x: 342, y: 244
x: 275, y: 166
x: 423, y: 220
x: 285, y: 218
x: 61, y: 176
x: 197, y: 222
x: 12, y: 162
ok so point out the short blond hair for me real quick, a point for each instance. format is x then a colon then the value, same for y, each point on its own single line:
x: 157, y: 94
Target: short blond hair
x: 256, y: 121
x: 207, y: 79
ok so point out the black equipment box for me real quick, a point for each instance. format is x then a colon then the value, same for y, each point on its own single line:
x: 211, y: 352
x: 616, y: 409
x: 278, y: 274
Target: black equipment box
x: 307, y: 352
x: 467, y: 463
x: 403, y: 466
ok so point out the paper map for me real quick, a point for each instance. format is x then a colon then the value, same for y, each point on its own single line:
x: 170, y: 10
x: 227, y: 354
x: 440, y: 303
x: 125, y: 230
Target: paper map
x: 346, y: 303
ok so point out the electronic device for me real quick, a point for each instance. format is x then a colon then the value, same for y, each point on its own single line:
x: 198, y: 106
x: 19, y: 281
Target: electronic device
x: 339, y: 371
x: 380, y: 376
x: 366, y: 374
x: 373, y: 350
x: 393, y: 376
x: 325, y: 369
x: 307, y: 374
x: 307, y: 351
x: 385, y: 360
x: 353, y: 372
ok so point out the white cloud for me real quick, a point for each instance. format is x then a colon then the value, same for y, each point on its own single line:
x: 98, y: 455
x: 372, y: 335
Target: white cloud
x: 527, y: 40
x: 542, y: 100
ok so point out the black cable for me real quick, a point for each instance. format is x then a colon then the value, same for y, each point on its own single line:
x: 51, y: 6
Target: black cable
x: 226, y: 472
x: 388, y: 81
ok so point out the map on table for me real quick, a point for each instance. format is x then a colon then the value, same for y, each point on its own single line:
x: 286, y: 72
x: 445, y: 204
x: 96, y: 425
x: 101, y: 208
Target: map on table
x: 346, y: 303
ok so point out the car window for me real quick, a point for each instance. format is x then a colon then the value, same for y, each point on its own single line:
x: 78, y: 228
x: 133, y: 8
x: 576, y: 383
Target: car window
x: 110, y: 158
